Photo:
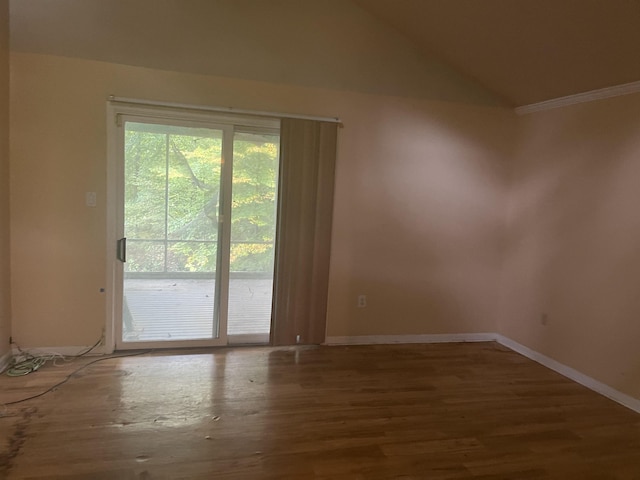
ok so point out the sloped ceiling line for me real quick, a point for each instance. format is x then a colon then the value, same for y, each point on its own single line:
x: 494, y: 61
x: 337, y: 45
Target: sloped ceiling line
x: 526, y: 51
x: 523, y: 52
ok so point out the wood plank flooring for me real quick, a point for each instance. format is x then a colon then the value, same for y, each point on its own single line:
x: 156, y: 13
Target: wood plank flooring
x: 445, y: 411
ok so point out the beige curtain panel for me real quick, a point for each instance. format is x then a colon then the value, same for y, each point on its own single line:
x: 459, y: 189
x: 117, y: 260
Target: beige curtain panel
x: 303, y: 238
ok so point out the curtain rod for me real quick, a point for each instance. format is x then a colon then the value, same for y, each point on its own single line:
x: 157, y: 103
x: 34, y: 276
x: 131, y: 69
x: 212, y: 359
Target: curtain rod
x: 258, y: 113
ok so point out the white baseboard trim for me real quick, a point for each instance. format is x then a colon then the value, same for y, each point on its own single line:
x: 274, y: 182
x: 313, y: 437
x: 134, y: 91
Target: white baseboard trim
x: 5, y: 360
x: 394, y: 339
x: 572, y: 374
x: 66, y: 351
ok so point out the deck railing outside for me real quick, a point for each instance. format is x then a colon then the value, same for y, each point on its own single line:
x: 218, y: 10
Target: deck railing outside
x: 179, y: 305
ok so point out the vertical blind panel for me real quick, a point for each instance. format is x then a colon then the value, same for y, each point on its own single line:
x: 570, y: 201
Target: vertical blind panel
x: 303, y: 239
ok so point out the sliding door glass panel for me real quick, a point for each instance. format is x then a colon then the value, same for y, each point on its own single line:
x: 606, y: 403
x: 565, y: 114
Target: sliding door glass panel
x: 171, y: 204
x: 253, y: 227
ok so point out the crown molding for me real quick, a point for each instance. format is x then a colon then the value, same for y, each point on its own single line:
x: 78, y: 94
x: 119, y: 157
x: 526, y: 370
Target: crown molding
x: 608, y: 92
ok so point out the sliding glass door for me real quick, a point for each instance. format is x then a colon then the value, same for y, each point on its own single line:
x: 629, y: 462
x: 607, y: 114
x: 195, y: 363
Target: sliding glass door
x: 196, y: 231
x: 253, y: 229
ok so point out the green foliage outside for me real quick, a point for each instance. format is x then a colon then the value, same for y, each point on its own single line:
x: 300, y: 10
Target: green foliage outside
x: 172, y: 199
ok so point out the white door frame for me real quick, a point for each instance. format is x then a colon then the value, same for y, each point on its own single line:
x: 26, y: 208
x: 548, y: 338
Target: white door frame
x: 115, y: 209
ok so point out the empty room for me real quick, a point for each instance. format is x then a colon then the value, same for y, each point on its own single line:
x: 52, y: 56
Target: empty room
x: 319, y: 239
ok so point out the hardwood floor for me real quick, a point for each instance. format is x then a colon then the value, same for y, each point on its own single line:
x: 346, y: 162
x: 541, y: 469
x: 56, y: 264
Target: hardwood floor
x: 445, y: 411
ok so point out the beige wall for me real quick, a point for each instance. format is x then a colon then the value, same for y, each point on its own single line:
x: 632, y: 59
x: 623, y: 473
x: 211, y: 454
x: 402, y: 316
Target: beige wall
x: 419, y: 218
x: 418, y: 213
x: 5, y: 296
x: 574, y: 236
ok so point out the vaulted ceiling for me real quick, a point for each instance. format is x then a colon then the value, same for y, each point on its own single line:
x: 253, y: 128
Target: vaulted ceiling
x: 522, y: 51
x: 526, y: 51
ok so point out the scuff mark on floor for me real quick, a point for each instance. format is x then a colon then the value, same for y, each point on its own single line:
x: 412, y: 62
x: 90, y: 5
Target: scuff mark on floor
x: 16, y: 439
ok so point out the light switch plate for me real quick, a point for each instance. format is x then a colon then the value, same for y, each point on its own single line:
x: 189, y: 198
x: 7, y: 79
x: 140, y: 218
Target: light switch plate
x: 90, y: 199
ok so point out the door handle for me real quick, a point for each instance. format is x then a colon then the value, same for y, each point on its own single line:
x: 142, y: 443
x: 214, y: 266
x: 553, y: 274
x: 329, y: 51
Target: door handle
x: 121, y: 251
